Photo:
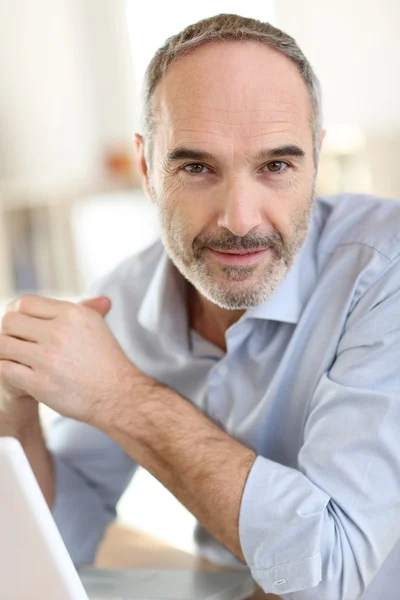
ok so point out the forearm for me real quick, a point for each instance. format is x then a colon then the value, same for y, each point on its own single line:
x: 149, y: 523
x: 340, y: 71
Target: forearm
x: 199, y: 463
x: 31, y: 438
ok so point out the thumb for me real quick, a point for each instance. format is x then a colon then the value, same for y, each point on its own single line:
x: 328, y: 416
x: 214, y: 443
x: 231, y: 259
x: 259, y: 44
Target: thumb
x: 101, y: 304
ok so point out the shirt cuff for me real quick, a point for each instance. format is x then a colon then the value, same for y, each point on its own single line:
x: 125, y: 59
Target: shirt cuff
x: 281, y: 519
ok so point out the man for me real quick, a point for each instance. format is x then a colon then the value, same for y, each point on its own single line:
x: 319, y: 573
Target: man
x: 250, y: 361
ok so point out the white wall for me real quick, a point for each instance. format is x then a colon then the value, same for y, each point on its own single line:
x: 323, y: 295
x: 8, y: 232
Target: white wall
x: 46, y: 124
x: 152, y: 22
x: 108, y: 228
x: 66, y: 88
x: 354, y: 47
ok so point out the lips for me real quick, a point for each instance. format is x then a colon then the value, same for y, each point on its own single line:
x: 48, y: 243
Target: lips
x: 240, y: 252
x: 238, y: 257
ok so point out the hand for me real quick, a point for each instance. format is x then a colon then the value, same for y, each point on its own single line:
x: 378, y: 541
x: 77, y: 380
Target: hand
x: 61, y: 354
x: 17, y: 408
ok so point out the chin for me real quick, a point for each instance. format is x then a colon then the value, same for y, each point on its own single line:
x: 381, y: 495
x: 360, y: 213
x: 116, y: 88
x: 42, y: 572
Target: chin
x: 243, y: 293
x: 236, y: 297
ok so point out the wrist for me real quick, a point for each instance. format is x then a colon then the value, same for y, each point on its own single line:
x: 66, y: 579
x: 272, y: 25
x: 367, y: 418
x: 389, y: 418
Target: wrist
x: 121, y: 411
x: 19, y: 426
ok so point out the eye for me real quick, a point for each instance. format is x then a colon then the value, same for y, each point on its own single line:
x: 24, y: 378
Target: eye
x: 276, y: 166
x: 196, y: 169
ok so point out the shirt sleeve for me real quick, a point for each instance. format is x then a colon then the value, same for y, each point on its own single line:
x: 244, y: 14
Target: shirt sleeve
x: 323, y: 530
x: 91, y: 474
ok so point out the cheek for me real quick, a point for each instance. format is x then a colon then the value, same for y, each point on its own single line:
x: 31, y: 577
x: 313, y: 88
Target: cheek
x: 186, y: 205
x: 287, y: 207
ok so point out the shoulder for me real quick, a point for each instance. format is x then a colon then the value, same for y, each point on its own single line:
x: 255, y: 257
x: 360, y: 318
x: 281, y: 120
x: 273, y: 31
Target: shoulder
x: 358, y: 245
x: 356, y: 219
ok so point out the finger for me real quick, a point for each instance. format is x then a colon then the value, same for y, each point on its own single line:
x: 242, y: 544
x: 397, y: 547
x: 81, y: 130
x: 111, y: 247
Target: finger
x: 101, y: 304
x: 36, y: 306
x: 19, y: 351
x: 17, y: 376
x: 23, y: 327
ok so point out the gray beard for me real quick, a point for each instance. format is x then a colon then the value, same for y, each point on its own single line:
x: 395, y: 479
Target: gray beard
x: 189, y: 259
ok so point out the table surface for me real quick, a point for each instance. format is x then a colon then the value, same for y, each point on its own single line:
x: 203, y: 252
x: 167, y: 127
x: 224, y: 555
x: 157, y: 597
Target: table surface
x: 125, y: 548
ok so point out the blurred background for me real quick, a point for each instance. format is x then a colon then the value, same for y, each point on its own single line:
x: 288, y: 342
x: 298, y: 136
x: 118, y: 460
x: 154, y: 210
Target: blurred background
x: 71, y: 206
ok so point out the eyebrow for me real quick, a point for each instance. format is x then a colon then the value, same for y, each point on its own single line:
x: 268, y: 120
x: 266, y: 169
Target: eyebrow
x: 280, y: 152
x: 182, y: 153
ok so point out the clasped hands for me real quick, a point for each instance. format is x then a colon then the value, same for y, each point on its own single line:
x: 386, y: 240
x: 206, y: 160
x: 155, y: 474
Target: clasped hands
x: 62, y: 355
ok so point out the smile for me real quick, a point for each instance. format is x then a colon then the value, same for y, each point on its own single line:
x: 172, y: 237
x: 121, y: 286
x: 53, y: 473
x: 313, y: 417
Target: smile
x: 239, y: 258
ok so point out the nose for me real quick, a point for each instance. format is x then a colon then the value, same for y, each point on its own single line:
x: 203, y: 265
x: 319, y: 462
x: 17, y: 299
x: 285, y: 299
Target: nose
x: 240, y: 208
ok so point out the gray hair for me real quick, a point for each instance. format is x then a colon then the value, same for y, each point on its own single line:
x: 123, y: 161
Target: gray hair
x: 219, y: 28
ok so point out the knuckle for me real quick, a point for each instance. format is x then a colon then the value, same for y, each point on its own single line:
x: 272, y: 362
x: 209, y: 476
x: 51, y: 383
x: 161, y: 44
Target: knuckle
x: 7, y: 322
x: 5, y: 371
x: 23, y: 303
x: 4, y: 345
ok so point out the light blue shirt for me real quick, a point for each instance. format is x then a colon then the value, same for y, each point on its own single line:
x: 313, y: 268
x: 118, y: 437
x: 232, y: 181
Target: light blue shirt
x: 310, y: 381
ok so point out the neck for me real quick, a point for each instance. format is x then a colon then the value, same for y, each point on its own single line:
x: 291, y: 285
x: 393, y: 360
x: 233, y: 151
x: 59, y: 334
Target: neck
x: 208, y: 319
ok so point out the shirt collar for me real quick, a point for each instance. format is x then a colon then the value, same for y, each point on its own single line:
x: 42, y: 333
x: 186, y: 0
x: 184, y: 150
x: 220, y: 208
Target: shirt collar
x: 163, y: 309
x: 287, y: 302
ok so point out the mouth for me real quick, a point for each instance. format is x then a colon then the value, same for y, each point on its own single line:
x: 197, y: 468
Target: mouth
x: 239, y: 258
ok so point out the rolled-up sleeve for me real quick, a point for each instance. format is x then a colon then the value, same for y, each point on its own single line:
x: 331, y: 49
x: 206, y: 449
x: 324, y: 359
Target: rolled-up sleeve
x: 91, y: 474
x: 281, y: 524
x: 323, y: 530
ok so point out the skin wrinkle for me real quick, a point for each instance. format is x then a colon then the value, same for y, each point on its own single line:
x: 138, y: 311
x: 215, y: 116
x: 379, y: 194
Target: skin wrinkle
x: 223, y: 128
x: 250, y: 111
x: 232, y: 112
x: 255, y: 136
x: 178, y: 156
x: 232, y: 123
x: 244, y: 138
x: 292, y: 105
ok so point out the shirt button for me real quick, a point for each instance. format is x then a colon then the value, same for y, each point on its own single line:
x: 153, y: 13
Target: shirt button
x: 280, y: 582
x: 222, y: 369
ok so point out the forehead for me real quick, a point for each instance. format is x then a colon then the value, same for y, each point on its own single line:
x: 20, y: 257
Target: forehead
x: 225, y: 93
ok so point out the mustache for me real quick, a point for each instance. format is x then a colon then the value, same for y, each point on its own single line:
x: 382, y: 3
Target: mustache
x: 230, y: 242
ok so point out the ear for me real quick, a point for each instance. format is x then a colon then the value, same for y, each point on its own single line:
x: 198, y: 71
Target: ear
x: 142, y: 164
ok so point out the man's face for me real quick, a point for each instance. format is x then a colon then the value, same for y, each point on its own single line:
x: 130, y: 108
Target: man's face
x: 232, y: 171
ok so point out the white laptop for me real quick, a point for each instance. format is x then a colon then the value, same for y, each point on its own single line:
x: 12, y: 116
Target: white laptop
x: 35, y: 564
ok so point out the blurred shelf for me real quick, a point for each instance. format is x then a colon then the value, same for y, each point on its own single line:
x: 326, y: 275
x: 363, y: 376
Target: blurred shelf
x: 15, y: 195
x: 37, y: 249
